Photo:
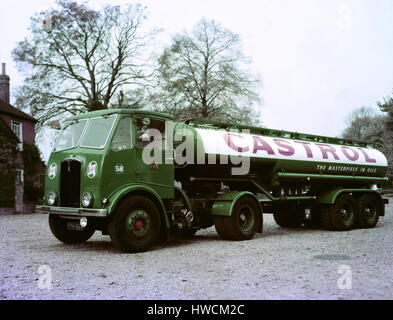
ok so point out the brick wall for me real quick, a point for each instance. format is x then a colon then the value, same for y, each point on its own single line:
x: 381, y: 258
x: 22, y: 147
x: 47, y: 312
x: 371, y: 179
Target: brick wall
x: 28, y: 127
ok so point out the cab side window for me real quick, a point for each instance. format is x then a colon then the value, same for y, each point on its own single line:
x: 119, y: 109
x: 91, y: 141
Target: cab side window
x: 122, y: 136
x: 149, y: 130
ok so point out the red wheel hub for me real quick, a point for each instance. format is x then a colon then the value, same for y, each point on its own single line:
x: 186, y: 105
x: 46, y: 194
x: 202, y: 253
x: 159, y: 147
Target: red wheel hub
x: 138, y: 225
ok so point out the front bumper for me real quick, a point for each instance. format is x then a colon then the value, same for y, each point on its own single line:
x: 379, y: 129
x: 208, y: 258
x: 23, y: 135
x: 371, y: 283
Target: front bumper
x: 76, y: 212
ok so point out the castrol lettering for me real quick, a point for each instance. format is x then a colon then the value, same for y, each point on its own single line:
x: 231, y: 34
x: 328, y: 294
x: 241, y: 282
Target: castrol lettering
x: 260, y: 144
x: 288, y: 149
x: 255, y: 146
x: 228, y: 137
x: 327, y: 150
x: 350, y: 153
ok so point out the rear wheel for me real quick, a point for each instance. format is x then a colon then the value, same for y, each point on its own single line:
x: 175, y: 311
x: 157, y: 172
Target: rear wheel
x: 288, y: 215
x: 243, y: 223
x: 135, y: 224
x: 58, y: 226
x: 340, y: 216
x: 368, y: 210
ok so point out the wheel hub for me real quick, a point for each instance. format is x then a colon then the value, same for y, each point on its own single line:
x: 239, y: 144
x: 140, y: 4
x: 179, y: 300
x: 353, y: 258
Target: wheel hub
x: 245, y: 218
x: 138, y: 223
x: 344, y: 213
x: 369, y: 211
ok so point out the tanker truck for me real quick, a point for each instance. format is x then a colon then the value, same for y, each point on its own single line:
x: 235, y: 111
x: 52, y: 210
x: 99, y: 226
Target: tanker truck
x: 140, y: 178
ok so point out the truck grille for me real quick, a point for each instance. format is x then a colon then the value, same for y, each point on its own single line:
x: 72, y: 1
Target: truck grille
x: 70, y: 180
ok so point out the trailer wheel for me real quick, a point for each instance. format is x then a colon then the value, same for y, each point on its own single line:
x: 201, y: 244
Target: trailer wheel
x: 242, y: 224
x: 58, y: 226
x: 325, y: 217
x: 135, y: 224
x: 288, y: 215
x: 368, y: 210
x: 340, y: 216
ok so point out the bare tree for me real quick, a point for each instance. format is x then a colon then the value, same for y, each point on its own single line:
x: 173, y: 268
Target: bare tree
x: 203, y: 74
x: 78, y: 59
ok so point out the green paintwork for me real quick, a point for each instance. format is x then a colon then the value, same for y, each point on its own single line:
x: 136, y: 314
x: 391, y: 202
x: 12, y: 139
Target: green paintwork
x: 329, y: 197
x: 130, y: 112
x: 223, y: 204
x: 319, y: 177
x: 109, y: 182
x: 128, y: 190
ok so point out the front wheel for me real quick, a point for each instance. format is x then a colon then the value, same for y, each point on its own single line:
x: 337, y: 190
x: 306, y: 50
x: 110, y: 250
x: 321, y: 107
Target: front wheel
x: 243, y: 223
x: 58, y: 226
x: 135, y: 224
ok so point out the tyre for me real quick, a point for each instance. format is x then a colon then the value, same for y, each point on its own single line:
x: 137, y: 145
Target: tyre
x: 288, y: 215
x: 243, y: 223
x: 325, y: 217
x: 340, y: 216
x: 368, y: 211
x: 135, y: 225
x: 58, y: 226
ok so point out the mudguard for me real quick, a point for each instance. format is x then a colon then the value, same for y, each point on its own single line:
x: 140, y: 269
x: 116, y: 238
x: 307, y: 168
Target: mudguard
x: 329, y: 197
x: 119, y: 194
x: 223, y: 204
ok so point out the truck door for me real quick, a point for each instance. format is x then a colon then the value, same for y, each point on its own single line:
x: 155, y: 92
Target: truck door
x: 120, y: 164
x: 152, y: 167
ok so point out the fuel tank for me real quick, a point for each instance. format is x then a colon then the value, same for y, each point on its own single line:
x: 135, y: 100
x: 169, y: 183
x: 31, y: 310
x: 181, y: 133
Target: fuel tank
x: 272, y: 151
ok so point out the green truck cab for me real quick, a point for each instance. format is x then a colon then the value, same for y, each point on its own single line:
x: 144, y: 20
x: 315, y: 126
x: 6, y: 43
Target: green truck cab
x: 98, y: 179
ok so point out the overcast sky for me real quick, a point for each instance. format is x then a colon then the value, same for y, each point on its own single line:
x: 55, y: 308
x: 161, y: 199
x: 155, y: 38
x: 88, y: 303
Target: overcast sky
x: 318, y: 60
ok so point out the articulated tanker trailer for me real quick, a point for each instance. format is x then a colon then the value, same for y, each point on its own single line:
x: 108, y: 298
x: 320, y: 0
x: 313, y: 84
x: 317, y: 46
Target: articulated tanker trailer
x: 139, y: 178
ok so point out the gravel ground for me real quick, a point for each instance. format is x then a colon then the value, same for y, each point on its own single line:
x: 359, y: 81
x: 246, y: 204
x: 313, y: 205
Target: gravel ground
x: 278, y: 264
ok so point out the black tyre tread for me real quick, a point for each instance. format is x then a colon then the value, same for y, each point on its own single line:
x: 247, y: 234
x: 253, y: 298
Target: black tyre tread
x: 362, y: 221
x: 325, y: 218
x: 334, y: 217
x: 286, y: 216
x: 227, y: 227
x: 58, y: 226
x: 221, y: 227
x: 116, y: 224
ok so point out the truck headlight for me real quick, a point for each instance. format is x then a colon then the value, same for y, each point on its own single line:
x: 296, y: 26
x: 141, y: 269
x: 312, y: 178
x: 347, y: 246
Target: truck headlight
x: 52, y: 198
x: 87, y: 199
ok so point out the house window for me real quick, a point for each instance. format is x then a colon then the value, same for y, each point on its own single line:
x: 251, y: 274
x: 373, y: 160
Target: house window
x: 17, y: 128
x: 19, y: 175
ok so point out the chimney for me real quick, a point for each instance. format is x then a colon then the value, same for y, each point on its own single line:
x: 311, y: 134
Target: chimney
x: 4, y: 85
